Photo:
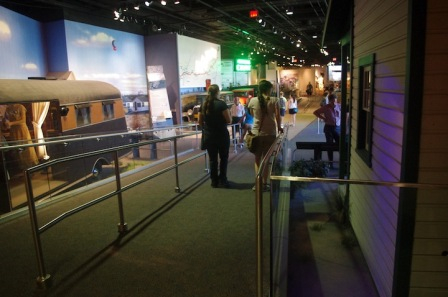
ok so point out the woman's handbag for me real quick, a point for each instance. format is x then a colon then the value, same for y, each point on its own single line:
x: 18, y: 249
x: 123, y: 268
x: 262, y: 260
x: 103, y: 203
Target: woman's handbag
x: 204, y: 138
x: 251, y: 142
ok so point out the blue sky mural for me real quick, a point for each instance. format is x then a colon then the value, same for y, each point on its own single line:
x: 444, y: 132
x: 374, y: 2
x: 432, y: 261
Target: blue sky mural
x: 116, y: 57
x: 21, y: 47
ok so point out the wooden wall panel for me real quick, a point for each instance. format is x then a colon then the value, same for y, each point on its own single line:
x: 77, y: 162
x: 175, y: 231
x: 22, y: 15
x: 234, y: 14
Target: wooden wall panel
x: 380, y: 28
x: 429, y: 267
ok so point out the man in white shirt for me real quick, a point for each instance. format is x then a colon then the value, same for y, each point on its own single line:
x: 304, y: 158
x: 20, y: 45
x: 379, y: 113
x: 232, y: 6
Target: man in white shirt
x: 237, y: 112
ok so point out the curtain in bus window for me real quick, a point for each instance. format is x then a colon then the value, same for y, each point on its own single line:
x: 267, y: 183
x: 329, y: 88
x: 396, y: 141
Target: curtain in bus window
x: 108, y: 110
x: 82, y: 114
x: 40, y: 110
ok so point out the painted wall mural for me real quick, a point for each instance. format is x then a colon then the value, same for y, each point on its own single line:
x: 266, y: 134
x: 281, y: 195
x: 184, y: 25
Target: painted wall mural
x: 96, y: 53
x: 198, y: 61
x: 22, y: 51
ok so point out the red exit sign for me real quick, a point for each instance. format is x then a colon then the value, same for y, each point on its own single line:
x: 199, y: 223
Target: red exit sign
x: 253, y: 13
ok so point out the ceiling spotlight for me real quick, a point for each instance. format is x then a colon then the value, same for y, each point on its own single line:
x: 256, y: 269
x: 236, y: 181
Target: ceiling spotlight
x: 163, y: 2
x: 264, y: 24
x: 137, y: 6
x: 176, y: 1
x: 260, y: 20
x: 117, y: 14
x: 148, y: 3
x: 289, y: 11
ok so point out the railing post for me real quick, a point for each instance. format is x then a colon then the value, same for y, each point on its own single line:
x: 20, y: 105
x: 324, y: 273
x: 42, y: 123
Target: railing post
x: 122, y: 225
x: 176, y: 162
x: 43, y: 280
x: 259, y: 231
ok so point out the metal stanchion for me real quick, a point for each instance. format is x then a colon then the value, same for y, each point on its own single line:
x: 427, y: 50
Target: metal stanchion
x: 122, y: 226
x: 176, y: 163
x: 44, y: 279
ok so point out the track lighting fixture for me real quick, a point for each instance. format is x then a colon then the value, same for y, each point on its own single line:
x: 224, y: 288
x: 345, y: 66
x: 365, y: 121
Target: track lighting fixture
x: 163, y: 2
x: 117, y: 14
x: 289, y: 11
x: 148, y: 3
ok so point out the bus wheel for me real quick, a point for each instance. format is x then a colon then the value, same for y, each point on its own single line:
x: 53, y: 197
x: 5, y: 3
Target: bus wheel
x: 97, y: 169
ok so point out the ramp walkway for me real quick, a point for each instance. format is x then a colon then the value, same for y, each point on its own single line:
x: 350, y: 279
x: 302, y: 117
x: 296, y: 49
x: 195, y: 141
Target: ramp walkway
x: 199, y: 241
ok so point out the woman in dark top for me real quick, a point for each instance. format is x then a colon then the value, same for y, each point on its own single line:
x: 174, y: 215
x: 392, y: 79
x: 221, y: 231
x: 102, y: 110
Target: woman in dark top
x: 214, y: 116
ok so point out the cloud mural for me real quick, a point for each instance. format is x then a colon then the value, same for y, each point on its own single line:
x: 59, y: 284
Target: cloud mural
x: 5, y: 31
x: 99, y: 39
x: 21, y: 46
x: 30, y: 66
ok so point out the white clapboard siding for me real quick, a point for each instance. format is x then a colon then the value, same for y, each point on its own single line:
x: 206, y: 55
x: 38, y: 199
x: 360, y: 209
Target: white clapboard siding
x: 380, y: 28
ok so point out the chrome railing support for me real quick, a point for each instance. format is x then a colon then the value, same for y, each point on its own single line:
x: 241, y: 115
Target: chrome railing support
x: 122, y: 226
x: 43, y: 280
x: 176, y: 164
x: 259, y: 231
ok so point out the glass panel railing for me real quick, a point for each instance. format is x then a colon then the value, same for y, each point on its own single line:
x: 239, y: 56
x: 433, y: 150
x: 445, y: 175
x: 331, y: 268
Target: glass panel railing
x: 69, y: 174
x: 357, y: 219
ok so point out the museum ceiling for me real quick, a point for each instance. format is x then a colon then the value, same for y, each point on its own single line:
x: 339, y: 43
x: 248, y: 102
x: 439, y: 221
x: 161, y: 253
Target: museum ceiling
x: 290, y: 32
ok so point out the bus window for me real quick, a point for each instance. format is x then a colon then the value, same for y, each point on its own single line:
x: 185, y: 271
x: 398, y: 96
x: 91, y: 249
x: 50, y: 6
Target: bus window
x: 82, y: 115
x: 108, y: 110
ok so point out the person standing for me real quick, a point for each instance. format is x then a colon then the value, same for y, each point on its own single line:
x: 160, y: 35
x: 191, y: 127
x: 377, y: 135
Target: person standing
x: 267, y: 122
x: 214, y: 116
x: 237, y: 111
x: 15, y: 121
x: 337, y: 108
x: 309, y: 89
x: 330, y: 92
x: 293, y: 107
x: 330, y: 113
x: 282, y: 101
x: 248, y: 122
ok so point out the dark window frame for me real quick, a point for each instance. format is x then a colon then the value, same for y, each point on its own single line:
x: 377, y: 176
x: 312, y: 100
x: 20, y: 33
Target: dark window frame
x: 365, y: 108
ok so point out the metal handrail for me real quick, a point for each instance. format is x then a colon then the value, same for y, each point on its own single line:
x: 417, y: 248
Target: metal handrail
x: 359, y: 182
x: 44, y: 279
x: 17, y: 144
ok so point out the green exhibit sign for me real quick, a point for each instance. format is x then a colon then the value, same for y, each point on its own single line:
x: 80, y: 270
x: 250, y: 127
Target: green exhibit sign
x: 242, y: 65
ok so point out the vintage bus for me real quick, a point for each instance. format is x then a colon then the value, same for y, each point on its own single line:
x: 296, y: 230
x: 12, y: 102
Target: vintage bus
x: 191, y: 103
x: 243, y: 94
x: 32, y: 111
